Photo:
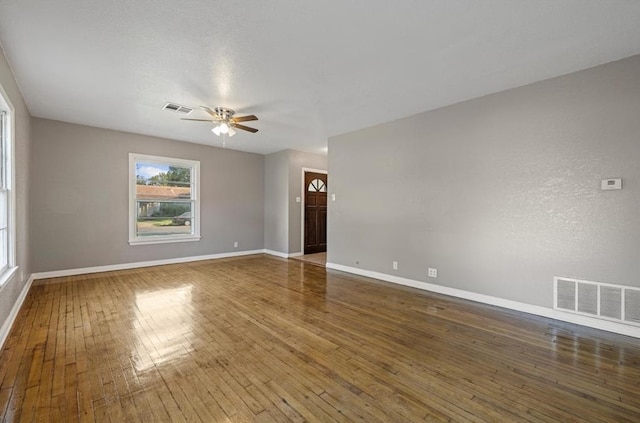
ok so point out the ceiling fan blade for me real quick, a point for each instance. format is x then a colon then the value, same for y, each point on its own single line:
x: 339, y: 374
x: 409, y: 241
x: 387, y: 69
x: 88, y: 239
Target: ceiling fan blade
x: 244, y: 118
x: 211, y: 112
x: 245, y: 128
x: 199, y: 120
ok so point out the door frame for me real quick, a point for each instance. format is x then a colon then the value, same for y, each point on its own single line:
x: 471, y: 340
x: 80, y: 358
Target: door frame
x: 302, y: 197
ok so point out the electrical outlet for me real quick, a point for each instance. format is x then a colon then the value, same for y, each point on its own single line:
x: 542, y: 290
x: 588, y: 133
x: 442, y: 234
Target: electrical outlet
x: 395, y: 265
x: 235, y: 244
x: 433, y: 273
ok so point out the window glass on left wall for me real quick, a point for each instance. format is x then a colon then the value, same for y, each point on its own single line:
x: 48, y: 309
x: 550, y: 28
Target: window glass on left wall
x: 8, y: 266
x: 164, y: 203
x: 4, y: 195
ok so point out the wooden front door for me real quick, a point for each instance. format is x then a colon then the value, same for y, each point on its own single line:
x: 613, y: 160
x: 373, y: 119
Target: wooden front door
x: 315, y: 213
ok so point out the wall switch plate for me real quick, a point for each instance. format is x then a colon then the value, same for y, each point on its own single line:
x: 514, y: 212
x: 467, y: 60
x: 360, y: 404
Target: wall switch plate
x: 433, y: 273
x: 395, y: 265
x: 235, y: 244
x: 333, y: 197
x: 298, y: 199
x: 609, y: 184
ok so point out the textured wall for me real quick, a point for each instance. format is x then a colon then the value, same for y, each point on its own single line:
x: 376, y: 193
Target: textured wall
x: 500, y: 193
x: 276, y: 189
x: 10, y: 291
x: 80, y: 197
x: 283, y: 183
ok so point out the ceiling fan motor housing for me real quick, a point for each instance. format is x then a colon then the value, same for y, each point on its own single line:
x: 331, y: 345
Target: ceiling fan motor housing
x: 224, y: 113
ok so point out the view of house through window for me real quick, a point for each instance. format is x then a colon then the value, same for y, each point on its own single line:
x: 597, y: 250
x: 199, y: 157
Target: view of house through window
x: 4, y: 196
x: 165, y: 199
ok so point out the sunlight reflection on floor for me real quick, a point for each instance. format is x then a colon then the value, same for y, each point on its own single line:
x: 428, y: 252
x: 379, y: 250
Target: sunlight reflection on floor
x: 163, y: 328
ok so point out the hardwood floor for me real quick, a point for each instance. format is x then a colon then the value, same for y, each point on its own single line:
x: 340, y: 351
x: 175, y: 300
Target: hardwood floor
x: 265, y: 339
x: 319, y: 259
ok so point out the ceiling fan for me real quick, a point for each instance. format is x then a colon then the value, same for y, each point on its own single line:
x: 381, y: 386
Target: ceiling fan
x: 225, y: 122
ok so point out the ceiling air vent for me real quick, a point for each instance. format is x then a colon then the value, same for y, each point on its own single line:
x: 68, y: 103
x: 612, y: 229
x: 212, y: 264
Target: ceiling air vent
x: 178, y: 108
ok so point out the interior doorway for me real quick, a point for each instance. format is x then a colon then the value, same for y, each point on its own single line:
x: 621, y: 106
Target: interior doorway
x: 314, y: 231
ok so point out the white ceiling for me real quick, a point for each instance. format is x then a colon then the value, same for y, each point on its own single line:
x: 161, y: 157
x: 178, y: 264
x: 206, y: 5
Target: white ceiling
x: 308, y: 69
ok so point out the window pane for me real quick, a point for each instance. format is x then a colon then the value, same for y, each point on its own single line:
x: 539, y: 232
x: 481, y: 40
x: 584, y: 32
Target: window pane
x: 3, y: 151
x: 158, y: 192
x: 317, y: 186
x: 164, y: 204
x: 4, y: 196
x: 164, y: 218
x: 4, y: 206
x: 3, y: 249
x: 162, y: 182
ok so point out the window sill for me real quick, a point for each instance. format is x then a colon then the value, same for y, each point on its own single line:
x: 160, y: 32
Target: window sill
x: 158, y: 240
x: 7, y: 274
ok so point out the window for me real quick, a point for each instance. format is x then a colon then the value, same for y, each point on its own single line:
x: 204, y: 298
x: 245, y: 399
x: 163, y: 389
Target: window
x: 163, y: 197
x: 4, y: 198
x: 317, y: 186
x: 7, y: 196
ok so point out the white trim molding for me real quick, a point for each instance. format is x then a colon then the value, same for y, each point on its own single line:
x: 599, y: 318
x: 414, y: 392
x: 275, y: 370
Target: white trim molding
x: 7, y: 109
x: 8, y: 323
x: 496, y: 301
x: 303, y: 191
x: 281, y: 254
x: 7, y: 275
x: 276, y: 253
x: 135, y: 265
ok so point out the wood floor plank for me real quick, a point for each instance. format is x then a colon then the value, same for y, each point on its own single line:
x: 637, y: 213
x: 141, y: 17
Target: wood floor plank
x: 262, y: 339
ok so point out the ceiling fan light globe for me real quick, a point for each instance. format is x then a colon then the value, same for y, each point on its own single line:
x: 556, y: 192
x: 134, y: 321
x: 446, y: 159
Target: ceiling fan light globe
x: 216, y: 130
x: 224, y: 128
x: 232, y: 131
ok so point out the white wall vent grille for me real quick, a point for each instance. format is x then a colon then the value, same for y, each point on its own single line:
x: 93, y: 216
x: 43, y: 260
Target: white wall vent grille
x: 601, y: 300
x: 177, y: 108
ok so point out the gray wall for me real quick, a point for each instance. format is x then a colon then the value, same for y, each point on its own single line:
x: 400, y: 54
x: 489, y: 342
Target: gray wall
x: 80, y: 197
x: 10, y: 291
x: 499, y: 193
x: 276, y: 188
x: 283, y: 183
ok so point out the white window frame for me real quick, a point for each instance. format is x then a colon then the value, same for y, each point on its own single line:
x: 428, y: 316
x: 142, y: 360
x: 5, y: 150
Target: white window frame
x: 8, y: 144
x: 195, y: 193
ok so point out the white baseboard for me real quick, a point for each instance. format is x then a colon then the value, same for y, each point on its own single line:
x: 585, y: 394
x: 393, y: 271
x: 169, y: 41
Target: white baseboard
x: 135, y: 265
x: 280, y: 254
x: 8, y: 323
x: 276, y: 253
x: 124, y: 266
x: 496, y: 301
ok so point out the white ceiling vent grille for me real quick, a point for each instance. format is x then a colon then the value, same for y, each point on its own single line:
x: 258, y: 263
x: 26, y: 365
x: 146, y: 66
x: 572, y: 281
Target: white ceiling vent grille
x: 178, y: 108
x: 600, y: 300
